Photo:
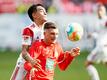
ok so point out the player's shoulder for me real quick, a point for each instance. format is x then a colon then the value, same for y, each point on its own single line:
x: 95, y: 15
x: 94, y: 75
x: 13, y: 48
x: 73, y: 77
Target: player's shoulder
x: 31, y: 26
x: 28, y: 28
x: 58, y: 45
x: 37, y: 42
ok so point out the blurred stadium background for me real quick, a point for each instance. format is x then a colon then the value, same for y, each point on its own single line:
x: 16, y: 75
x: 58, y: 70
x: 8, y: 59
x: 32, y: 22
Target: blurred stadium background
x: 13, y: 18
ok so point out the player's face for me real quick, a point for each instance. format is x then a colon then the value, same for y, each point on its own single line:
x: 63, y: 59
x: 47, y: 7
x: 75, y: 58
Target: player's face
x: 41, y: 14
x: 51, y: 35
x: 101, y: 11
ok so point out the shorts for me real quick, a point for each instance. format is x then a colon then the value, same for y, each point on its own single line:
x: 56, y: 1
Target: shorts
x: 19, y: 71
x: 98, y: 54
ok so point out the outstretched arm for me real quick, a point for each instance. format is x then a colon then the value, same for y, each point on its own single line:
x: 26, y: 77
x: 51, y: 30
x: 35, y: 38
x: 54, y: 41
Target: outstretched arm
x: 66, y: 58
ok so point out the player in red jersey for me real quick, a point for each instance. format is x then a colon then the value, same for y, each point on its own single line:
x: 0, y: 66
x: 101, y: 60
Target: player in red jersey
x: 38, y: 15
x: 49, y: 53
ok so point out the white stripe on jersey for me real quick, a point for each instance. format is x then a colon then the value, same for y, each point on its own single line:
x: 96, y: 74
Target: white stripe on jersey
x: 26, y: 40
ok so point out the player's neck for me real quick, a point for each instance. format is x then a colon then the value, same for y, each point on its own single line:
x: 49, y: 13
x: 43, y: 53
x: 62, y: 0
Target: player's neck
x: 47, y: 43
x: 39, y: 24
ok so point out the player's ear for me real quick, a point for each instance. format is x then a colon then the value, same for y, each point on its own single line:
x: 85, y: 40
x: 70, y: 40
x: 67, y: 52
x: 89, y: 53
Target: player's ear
x: 34, y: 15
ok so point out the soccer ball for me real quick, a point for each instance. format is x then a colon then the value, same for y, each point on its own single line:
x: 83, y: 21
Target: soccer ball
x: 74, y: 32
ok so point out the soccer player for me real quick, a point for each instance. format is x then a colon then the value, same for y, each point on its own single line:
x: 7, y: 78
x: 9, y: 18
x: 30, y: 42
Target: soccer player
x: 99, y: 53
x: 49, y: 53
x: 38, y: 15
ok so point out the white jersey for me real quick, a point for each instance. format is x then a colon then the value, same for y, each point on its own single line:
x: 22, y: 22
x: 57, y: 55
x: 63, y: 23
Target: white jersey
x: 99, y: 53
x: 30, y: 34
x: 100, y: 33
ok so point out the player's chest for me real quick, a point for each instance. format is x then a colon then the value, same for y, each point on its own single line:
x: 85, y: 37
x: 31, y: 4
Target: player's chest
x: 49, y: 52
x: 37, y: 34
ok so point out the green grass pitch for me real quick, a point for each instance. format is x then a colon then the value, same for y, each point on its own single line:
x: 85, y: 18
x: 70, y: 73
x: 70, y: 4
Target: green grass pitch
x: 76, y: 70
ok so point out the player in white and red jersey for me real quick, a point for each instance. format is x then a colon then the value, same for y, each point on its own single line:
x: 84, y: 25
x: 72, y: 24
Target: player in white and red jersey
x: 38, y: 15
x: 99, y: 53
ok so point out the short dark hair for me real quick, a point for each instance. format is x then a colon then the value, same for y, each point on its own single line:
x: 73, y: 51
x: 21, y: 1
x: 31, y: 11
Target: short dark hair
x: 33, y: 8
x: 50, y: 25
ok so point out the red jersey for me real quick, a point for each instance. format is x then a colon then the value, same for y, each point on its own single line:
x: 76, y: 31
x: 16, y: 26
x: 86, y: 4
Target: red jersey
x: 49, y: 56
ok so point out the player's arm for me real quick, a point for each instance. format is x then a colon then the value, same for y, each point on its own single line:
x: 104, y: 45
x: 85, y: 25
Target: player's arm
x: 34, y: 52
x: 26, y: 42
x: 66, y: 58
x: 26, y: 55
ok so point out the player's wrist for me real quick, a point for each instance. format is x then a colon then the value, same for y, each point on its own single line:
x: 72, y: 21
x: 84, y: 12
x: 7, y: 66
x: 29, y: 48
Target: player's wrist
x: 75, y: 52
x: 25, y: 56
x: 33, y: 62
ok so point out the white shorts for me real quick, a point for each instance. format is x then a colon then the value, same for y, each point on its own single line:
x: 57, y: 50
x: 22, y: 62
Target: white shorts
x: 99, y: 54
x: 19, y: 71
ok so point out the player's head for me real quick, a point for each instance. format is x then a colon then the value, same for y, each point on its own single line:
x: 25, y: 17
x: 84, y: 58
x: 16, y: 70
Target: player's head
x: 50, y: 32
x: 37, y: 12
x: 101, y: 11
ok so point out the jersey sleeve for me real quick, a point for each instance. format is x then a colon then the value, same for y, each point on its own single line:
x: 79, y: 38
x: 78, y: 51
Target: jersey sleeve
x: 27, y: 36
x: 64, y: 59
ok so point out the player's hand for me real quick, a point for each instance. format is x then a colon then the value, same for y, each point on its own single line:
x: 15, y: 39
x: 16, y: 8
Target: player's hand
x: 32, y: 72
x: 75, y: 51
x: 36, y: 63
